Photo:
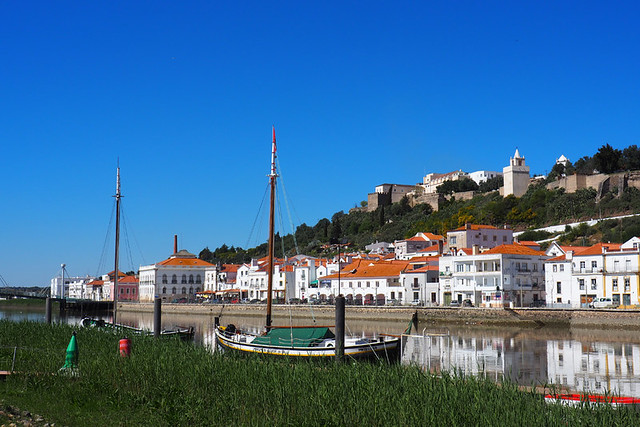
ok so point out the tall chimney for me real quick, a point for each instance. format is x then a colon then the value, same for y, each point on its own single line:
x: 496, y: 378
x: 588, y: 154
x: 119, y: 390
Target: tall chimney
x: 175, y: 243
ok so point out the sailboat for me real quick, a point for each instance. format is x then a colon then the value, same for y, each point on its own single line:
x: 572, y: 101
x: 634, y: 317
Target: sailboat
x: 185, y: 333
x: 298, y: 341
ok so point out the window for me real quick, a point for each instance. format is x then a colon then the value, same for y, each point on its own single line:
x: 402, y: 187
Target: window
x: 198, y: 279
x: 615, y: 285
x: 164, y: 278
x: 133, y: 291
x: 594, y: 285
x: 561, y: 267
x: 504, y: 238
x: 453, y: 240
x: 627, y: 265
x: 184, y: 290
x: 459, y: 268
x: 174, y: 279
x: 535, y: 267
x: 559, y: 287
x: 582, y: 266
x: 184, y: 278
x: 495, y: 238
x: 594, y: 264
x: 484, y: 238
x: 359, y: 284
x: 173, y: 291
x: 191, y: 278
x: 581, y: 281
x: 164, y: 290
x: 627, y: 284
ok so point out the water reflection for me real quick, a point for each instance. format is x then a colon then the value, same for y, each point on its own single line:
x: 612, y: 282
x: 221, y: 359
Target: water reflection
x: 579, y: 360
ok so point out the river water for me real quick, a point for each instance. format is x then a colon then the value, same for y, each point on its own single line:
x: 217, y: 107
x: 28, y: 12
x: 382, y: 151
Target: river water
x: 577, y: 360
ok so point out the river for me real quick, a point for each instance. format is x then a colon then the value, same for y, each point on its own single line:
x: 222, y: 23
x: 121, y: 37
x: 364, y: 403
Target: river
x: 578, y: 360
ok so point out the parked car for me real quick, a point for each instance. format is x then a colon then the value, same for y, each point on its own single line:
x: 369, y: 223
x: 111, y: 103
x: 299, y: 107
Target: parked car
x: 538, y: 303
x: 295, y: 301
x: 602, y: 303
x: 454, y: 303
x: 467, y: 303
x: 254, y: 301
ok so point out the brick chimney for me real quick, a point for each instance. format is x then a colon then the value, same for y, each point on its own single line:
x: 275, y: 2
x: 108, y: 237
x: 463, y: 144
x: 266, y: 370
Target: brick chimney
x: 175, y: 243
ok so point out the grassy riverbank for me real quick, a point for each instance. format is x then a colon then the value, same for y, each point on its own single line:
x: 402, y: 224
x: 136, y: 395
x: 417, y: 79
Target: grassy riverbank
x: 175, y: 383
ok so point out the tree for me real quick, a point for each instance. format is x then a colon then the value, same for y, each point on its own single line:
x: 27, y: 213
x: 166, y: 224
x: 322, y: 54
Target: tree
x: 608, y: 159
x: 631, y: 158
x: 464, y: 184
x: 491, y: 184
x: 585, y: 165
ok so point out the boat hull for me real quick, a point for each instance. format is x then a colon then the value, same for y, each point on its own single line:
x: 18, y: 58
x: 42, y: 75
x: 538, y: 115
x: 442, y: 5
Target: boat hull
x: 387, y: 349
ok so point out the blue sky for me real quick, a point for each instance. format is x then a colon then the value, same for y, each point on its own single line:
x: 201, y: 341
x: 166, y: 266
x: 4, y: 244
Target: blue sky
x: 360, y: 93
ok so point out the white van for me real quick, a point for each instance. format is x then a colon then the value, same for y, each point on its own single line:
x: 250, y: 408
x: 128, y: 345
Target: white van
x: 602, y: 303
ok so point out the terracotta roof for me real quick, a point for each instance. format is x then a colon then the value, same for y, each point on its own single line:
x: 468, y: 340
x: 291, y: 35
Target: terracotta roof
x: 190, y: 262
x: 364, y: 268
x: 416, y: 239
x: 432, y: 236
x: 230, y: 268
x: 575, y: 249
x: 514, y: 250
x: 529, y: 243
x: 96, y: 282
x: 128, y: 279
x: 558, y: 258
x: 597, y: 249
x: 476, y: 227
x: 421, y: 259
x: 434, y: 248
x: 425, y: 268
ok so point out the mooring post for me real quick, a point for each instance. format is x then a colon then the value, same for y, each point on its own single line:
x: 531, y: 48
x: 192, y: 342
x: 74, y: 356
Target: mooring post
x: 47, y: 312
x: 63, y: 308
x: 339, y: 328
x: 157, y: 316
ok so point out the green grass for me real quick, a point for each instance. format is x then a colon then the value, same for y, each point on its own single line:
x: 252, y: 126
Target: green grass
x: 175, y: 383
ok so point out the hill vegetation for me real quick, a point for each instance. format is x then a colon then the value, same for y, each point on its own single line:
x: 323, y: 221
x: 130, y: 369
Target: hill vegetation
x: 537, y: 208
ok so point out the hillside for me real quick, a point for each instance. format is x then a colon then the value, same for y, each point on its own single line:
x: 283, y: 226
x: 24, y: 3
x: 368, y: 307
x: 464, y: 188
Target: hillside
x: 537, y: 208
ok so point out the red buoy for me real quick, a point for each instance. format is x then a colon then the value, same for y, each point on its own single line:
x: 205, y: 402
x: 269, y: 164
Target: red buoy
x: 125, y: 347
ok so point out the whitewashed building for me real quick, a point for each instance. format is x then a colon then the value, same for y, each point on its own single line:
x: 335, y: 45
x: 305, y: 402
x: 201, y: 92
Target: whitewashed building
x: 179, y: 276
x: 419, y: 245
x: 504, y: 275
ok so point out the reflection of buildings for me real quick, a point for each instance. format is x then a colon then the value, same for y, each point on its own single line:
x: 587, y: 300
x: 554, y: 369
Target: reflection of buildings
x: 596, y: 367
x: 495, y: 357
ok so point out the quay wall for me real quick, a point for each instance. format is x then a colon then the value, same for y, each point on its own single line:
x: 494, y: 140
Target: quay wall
x: 520, y: 317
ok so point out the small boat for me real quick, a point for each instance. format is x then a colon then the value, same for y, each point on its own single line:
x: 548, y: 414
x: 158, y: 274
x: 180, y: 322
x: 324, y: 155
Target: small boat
x: 576, y: 399
x: 298, y: 341
x: 184, y: 333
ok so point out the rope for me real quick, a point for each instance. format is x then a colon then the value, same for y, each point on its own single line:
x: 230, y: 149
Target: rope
x: 255, y: 221
x: 286, y: 201
x: 101, y: 263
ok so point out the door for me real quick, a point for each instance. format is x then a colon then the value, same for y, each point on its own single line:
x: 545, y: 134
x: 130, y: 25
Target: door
x: 626, y: 299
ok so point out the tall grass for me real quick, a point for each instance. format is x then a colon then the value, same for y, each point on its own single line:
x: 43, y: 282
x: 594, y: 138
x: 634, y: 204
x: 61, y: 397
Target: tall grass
x: 175, y: 383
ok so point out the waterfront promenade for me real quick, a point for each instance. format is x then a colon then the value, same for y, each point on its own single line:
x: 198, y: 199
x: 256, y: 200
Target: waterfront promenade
x: 520, y: 317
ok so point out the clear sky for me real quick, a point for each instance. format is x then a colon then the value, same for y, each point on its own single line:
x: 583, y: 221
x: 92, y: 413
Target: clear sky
x: 361, y: 93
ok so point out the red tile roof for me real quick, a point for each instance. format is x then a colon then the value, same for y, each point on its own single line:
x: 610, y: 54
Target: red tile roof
x: 476, y: 227
x: 363, y: 268
x: 597, y: 249
x: 190, y: 262
x: 514, y: 250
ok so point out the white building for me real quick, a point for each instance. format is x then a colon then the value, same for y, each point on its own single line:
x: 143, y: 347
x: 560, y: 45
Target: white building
x: 252, y: 280
x: 71, y: 288
x: 604, y: 270
x: 483, y: 176
x: 179, y: 276
x: 482, y: 236
x: 431, y: 181
x: 367, y: 282
x: 418, y: 245
x: 421, y: 283
x: 504, y: 275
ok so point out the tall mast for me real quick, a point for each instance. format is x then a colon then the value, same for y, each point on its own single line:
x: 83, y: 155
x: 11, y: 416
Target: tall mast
x: 115, y: 283
x: 272, y: 183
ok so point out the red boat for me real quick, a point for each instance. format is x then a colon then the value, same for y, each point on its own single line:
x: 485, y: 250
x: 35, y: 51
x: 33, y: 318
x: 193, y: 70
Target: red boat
x: 576, y: 399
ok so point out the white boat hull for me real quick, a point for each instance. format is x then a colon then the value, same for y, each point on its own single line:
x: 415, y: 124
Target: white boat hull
x: 385, y: 347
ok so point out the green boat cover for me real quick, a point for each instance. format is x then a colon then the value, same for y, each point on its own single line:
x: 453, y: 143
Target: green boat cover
x: 294, y: 337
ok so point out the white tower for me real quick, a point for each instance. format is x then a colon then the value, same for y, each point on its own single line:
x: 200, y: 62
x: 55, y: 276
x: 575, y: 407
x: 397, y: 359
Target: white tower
x: 516, y: 176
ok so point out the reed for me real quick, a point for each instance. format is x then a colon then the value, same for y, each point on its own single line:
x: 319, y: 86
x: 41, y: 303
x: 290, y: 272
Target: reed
x: 175, y: 383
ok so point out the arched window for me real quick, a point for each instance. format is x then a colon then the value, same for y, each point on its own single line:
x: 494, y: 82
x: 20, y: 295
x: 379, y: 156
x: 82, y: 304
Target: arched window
x: 173, y: 291
x: 197, y: 290
x: 164, y: 278
x: 184, y: 290
x: 191, y: 290
x: 184, y: 278
x: 198, y: 279
x: 164, y: 290
x: 191, y: 278
x: 174, y: 279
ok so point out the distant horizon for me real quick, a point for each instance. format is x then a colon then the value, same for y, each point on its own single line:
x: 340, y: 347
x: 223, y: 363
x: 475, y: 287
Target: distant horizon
x: 185, y: 96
